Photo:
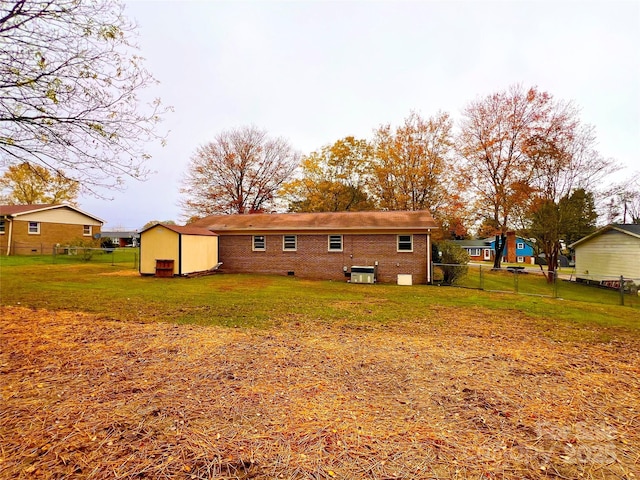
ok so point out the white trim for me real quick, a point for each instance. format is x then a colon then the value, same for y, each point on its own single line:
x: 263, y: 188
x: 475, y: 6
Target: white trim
x: 329, y: 249
x: 253, y: 243
x: 398, y: 249
x: 486, y: 254
x: 284, y: 243
x: 37, y: 232
x: 84, y: 230
x: 55, y: 207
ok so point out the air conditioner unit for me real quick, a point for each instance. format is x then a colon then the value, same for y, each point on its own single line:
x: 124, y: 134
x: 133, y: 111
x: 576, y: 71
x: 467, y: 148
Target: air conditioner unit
x: 361, y: 274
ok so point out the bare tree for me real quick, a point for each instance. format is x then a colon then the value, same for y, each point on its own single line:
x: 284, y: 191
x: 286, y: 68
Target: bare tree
x: 623, y: 201
x: 239, y: 172
x: 494, y: 166
x: 69, y: 84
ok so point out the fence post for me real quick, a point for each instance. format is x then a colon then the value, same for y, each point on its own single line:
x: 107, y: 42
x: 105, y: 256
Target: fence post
x: 621, y: 289
x: 515, y: 281
x: 555, y: 283
x: 481, y: 279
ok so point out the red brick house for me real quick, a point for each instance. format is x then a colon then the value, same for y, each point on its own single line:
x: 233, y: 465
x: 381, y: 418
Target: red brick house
x: 326, y: 245
x: 36, y: 229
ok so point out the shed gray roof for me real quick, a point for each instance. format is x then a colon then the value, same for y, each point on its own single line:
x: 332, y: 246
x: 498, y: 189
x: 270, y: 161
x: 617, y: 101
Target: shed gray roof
x: 477, y: 243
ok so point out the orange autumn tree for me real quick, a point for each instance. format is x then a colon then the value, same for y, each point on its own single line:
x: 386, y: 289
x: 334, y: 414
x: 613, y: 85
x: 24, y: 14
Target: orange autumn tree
x: 412, y: 164
x: 29, y: 184
x: 493, y: 161
x: 332, y: 179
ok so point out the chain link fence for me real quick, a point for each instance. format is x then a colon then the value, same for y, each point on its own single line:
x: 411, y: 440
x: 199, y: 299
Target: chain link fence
x: 611, y: 290
x: 125, y: 256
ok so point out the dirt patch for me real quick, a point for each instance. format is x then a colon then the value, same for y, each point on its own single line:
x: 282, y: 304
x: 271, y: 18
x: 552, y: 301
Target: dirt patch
x: 480, y: 396
x: 121, y: 273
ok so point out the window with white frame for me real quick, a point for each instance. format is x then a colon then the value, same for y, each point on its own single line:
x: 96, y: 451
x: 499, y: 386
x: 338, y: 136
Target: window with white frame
x: 34, y: 228
x: 474, y: 252
x: 2, y: 227
x: 520, y: 259
x: 520, y: 245
x: 86, y: 230
x: 335, y: 243
x: 405, y: 243
x: 290, y: 243
x: 259, y: 243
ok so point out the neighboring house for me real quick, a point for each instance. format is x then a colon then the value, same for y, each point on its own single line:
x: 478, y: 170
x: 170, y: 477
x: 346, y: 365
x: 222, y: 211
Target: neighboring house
x: 479, y: 250
x: 37, y: 229
x: 168, y: 250
x: 609, y: 253
x: 517, y: 249
x: 330, y: 246
x: 122, y: 238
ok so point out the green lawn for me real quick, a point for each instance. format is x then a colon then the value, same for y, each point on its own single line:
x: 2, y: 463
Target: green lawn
x: 118, y: 292
x: 534, y: 283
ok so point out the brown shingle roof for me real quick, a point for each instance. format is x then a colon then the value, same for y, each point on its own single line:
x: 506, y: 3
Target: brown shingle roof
x: 16, y: 209
x: 332, y: 221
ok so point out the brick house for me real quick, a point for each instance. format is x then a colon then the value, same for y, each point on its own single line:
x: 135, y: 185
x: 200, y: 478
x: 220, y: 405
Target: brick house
x: 37, y: 229
x: 326, y: 245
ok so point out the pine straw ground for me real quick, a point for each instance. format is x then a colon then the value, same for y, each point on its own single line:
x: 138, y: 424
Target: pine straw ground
x: 464, y: 394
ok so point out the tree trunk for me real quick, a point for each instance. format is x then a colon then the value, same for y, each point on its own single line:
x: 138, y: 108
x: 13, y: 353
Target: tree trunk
x: 552, y: 261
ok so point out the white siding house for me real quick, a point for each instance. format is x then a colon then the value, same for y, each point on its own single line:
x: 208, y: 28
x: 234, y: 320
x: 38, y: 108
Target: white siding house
x: 609, y: 253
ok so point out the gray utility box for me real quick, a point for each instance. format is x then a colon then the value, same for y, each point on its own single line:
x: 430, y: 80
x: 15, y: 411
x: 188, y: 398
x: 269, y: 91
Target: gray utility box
x: 363, y: 274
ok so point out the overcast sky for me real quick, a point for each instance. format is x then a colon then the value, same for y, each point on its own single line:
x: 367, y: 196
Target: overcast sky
x: 315, y: 72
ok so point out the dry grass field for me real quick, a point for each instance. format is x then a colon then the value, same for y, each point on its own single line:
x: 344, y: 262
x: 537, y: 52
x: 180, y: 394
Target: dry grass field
x: 466, y: 394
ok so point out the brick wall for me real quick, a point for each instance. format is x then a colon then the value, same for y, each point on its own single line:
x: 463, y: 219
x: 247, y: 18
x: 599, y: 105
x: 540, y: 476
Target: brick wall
x: 312, y: 260
x: 50, y: 234
x: 511, y: 247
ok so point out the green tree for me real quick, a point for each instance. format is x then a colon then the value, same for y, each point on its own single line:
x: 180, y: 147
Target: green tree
x: 70, y: 79
x: 454, y: 261
x: 566, y: 221
x: 333, y: 179
x: 27, y: 184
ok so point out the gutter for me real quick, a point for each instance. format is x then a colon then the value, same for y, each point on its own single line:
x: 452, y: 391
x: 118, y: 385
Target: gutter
x: 8, y: 217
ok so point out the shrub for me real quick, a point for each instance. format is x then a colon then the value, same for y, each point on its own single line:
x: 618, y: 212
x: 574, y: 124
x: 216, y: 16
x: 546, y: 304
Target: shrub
x: 454, y: 259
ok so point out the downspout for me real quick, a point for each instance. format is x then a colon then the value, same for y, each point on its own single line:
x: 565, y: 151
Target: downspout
x: 428, y: 256
x: 10, y: 235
